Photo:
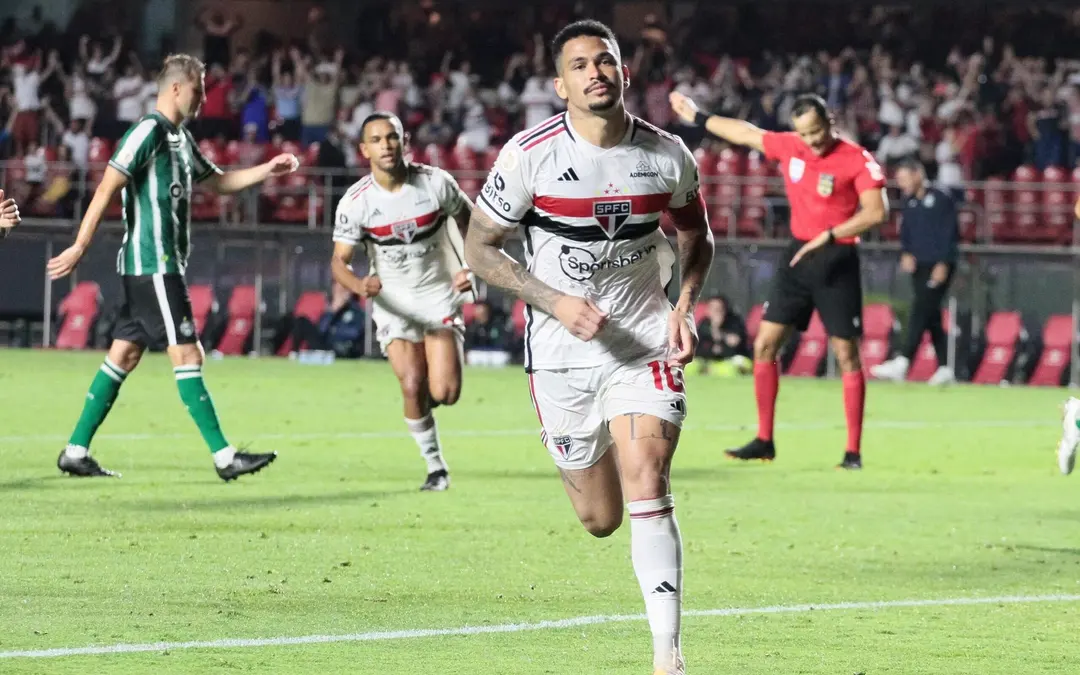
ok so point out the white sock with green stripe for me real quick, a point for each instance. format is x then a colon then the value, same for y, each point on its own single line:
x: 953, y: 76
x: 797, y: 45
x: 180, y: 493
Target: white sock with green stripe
x: 99, y: 400
x: 189, y: 381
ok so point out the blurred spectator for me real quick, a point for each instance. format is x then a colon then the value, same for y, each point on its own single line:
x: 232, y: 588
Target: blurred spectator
x: 435, y: 130
x: 97, y: 62
x: 58, y: 197
x: 1045, y: 125
x: 128, y: 93
x: 75, y: 136
x: 255, y: 108
x: 332, y: 155
x: 897, y: 145
x: 488, y: 337
x: 320, y: 96
x: 27, y: 81
x: 475, y: 129
x: 287, y: 95
x: 217, y: 35
x: 723, y: 344
x: 216, y: 118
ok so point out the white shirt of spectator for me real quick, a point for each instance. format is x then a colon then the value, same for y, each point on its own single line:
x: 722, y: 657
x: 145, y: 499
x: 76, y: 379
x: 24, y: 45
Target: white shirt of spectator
x: 128, y: 94
x: 539, y: 99
x: 35, y: 166
x: 892, y: 148
x: 26, y: 89
x: 403, y: 233
x: 949, y: 174
x: 82, y: 107
x: 475, y: 130
x: 591, y: 223
x: 890, y: 113
x: 359, y: 114
x: 79, y: 144
x: 149, y: 96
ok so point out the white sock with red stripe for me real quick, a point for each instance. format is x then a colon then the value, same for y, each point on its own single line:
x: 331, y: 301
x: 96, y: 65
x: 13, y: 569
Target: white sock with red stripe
x: 426, y: 435
x: 656, y: 549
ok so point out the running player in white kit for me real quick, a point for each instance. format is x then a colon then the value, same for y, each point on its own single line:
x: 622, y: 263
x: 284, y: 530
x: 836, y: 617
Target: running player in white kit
x: 605, y: 349
x: 417, y: 279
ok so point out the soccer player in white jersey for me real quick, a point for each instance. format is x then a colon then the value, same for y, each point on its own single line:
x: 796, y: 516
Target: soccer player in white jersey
x: 605, y: 349
x: 417, y: 278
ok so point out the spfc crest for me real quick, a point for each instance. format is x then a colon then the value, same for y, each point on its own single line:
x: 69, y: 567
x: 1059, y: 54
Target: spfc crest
x: 825, y: 184
x: 404, y: 231
x: 796, y: 167
x: 611, y: 215
x: 562, y: 444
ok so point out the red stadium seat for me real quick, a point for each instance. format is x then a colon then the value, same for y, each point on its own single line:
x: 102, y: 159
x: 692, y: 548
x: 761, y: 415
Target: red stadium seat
x: 100, y: 150
x: 878, y: 323
x: 813, y: 346
x: 969, y: 224
x: 753, y: 320
x: 489, y: 158
x: 241, y: 320
x: 468, y: 312
x: 205, y: 205
x: 232, y: 153
x: 202, y: 303
x: 1002, y: 333
x: 465, y: 159
x: 701, y: 310
x: 436, y: 156
x: 727, y: 171
x: 292, y: 147
x: 925, y: 362
x: 77, y: 313
x: 1057, y: 344
x: 310, y: 305
x: 1057, y: 202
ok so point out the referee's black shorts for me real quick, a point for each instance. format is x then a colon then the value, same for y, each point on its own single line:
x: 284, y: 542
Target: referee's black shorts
x: 828, y: 280
x: 156, y: 311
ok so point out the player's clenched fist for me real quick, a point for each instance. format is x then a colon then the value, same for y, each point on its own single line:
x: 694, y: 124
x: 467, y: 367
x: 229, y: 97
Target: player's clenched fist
x: 581, y: 316
x: 371, y: 286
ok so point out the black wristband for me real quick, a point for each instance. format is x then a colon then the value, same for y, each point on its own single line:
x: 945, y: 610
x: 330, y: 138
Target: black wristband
x: 701, y: 118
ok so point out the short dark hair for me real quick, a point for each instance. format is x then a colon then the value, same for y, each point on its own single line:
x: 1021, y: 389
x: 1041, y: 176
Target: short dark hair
x: 582, y: 28
x: 807, y: 102
x: 375, y: 116
x: 911, y: 164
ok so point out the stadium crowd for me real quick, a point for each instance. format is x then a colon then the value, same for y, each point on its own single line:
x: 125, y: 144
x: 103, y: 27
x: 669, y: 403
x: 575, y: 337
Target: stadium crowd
x: 970, y: 100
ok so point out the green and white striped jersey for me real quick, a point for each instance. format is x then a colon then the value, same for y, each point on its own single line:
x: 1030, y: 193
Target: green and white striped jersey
x: 161, y: 161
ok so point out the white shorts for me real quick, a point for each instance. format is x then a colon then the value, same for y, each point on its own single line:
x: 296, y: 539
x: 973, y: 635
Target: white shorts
x: 411, y: 321
x: 575, y: 405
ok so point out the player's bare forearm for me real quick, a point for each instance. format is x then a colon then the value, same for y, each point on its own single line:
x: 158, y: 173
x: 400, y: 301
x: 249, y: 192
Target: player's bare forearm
x: 235, y: 181
x: 341, y: 269
x: 462, y: 218
x: 736, y: 131
x: 694, y: 240
x: 485, y: 257
x: 110, y: 183
x: 874, y: 211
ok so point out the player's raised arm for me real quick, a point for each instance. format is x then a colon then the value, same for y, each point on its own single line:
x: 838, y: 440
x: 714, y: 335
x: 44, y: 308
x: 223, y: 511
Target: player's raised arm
x: 731, y: 130
x: 112, y: 182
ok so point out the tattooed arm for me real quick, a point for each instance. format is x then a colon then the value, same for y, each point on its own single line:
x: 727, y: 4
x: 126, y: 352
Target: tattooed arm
x: 694, y: 240
x: 485, y: 257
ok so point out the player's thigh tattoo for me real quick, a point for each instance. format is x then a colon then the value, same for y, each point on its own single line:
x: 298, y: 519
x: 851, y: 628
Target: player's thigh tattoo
x: 641, y: 431
x: 568, y: 480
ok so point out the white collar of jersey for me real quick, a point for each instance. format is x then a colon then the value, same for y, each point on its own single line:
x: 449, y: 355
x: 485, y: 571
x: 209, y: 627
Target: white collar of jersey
x: 576, y: 135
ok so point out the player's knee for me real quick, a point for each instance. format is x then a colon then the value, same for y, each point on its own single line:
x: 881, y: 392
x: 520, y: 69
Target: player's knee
x: 446, y: 394
x: 847, y: 356
x: 765, y: 349
x: 413, y: 386
x: 602, y: 525
x: 127, y: 359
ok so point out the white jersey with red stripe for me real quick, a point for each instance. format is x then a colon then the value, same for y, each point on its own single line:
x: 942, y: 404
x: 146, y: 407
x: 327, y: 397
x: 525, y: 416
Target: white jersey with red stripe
x: 409, y: 245
x: 591, y: 223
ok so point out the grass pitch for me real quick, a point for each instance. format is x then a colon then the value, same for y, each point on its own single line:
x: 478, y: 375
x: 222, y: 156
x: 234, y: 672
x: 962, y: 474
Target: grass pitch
x: 960, y: 498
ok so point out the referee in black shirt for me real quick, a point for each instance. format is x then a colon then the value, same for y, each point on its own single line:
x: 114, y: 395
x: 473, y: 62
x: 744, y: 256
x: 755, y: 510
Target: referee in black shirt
x: 929, y: 239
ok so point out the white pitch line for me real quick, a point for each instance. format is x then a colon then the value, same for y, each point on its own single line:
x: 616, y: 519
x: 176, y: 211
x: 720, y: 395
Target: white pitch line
x: 323, y: 435
x: 379, y: 636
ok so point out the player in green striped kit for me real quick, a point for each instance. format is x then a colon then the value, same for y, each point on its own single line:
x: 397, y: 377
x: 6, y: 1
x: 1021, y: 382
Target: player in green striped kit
x: 154, y: 167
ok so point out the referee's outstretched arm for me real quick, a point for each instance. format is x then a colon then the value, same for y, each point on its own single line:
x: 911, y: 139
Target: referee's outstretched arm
x: 731, y: 130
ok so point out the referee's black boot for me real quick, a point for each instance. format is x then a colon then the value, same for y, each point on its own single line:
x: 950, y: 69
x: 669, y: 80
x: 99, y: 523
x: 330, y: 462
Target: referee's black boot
x: 245, y: 462
x: 757, y: 449
x: 852, y: 461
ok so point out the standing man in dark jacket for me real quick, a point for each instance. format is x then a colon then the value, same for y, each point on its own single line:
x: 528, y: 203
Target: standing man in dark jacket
x: 930, y: 238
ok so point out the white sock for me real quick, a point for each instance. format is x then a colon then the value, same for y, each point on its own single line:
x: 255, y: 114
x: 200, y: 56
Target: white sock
x: 224, y: 456
x: 76, y: 451
x: 426, y: 434
x: 656, y: 550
